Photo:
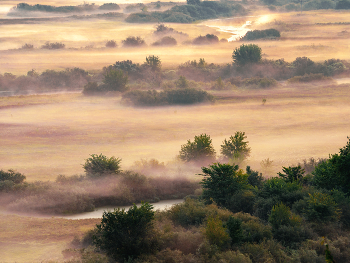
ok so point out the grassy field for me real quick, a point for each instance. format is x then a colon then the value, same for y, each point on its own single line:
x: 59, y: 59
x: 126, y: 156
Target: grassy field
x: 47, y: 135
x: 311, y: 34
x: 27, y: 239
x: 43, y: 136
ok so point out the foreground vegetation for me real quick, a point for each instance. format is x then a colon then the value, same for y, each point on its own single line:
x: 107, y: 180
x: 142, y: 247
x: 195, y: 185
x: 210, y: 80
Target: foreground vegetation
x: 232, y: 215
x: 238, y: 217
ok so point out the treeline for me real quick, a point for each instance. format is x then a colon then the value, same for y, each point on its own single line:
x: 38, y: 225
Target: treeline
x: 49, y: 80
x: 247, y: 70
x: 189, y: 13
x: 300, y: 215
x: 24, y: 7
x: 284, y: 5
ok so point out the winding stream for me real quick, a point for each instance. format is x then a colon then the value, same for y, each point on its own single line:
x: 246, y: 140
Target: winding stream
x: 161, y: 205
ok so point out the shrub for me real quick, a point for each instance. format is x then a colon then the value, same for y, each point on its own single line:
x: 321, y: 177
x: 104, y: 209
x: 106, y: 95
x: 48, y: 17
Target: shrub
x: 191, y: 212
x: 216, y: 233
x: 166, y: 41
x: 235, y: 230
x: 309, y: 78
x: 200, y: 149
x: 125, y: 235
x: 115, y: 80
x: 133, y: 42
x: 111, y: 44
x: 27, y: 46
x: 343, y: 4
x: 221, y: 181
x: 92, y: 88
x: 56, y: 45
x: 259, y: 34
x: 206, y: 40
x: 11, y: 180
x: 182, y: 83
x: 236, y: 149
x: 100, y: 165
x: 321, y: 208
x: 109, y: 6
x: 245, y: 54
x: 334, y: 172
x: 254, y: 178
x: 282, y: 216
x: 154, y: 63
x: 292, y: 174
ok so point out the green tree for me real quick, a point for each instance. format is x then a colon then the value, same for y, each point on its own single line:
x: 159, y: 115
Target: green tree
x: 200, y: 149
x: 154, y: 63
x: 100, y: 165
x: 282, y: 216
x: 334, y: 173
x: 182, y: 82
x: 124, y: 235
x: 235, y: 230
x: 291, y: 174
x: 221, y: 182
x: 245, y: 54
x: 216, y: 233
x: 236, y: 148
x: 115, y: 80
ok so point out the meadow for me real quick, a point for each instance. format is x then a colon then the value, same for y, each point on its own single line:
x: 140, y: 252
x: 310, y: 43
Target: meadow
x: 46, y: 135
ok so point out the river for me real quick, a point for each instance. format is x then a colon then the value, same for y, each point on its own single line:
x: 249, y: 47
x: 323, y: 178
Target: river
x: 161, y: 205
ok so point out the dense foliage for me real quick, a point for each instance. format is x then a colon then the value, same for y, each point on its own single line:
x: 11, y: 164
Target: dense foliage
x: 261, y: 34
x: 125, y: 235
x: 100, y: 165
x: 200, y: 149
x: 250, y: 53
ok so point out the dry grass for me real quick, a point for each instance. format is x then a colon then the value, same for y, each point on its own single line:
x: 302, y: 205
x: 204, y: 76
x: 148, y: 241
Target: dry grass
x: 27, y: 239
x: 301, y: 35
x: 42, y: 141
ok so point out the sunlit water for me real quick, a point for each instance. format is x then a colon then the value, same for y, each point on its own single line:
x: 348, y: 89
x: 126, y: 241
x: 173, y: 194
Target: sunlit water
x: 237, y: 32
x: 161, y: 205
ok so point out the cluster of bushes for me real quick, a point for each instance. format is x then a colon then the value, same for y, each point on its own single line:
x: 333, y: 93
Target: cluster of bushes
x: 24, y: 7
x: 181, y: 96
x: 104, y: 184
x: 240, y: 217
x: 48, y: 80
x: 56, y: 45
x: 309, y: 78
x: 261, y: 34
x: 165, y: 41
x: 254, y: 82
x: 206, y: 40
x: 161, y: 29
x: 189, y: 13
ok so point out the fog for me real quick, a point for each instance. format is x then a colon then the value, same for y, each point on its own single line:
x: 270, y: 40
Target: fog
x: 46, y: 135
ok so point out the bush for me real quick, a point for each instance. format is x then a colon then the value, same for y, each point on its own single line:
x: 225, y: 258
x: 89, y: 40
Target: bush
x: 27, y: 46
x: 282, y: 216
x: 221, y: 181
x: 235, y: 230
x: 245, y: 54
x: 133, y: 42
x: 191, y: 212
x: 321, y: 208
x: 198, y: 150
x: 11, y: 180
x: 166, y: 41
x: 216, y: 233
x: 56, y: 45
x: 154, y: 63
x: 309, y: 78
x: 259, y: 34
x: 124, y: 235
x: 343, y: 4
x: 111, y: 44
x: 115, y: 80
x: 236, y: 149
x: 100, y: 165
x: 292, y: 174
x: 206, y: 40
x: 334, y: 172
x: 92, y: 88
x: 109, y: 6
